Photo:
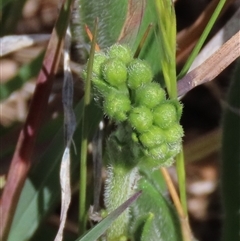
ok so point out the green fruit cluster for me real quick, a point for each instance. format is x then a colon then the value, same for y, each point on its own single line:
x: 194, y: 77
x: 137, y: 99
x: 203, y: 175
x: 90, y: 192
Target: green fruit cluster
x: 130, y: 95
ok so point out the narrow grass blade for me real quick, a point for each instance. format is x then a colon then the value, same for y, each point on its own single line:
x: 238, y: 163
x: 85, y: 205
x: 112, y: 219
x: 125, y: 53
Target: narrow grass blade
x: 100, y: 228
x: 83, y: 160
x: 202, y: 39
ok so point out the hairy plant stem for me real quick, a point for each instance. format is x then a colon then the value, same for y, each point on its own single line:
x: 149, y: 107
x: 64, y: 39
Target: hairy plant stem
x: 119, y: 188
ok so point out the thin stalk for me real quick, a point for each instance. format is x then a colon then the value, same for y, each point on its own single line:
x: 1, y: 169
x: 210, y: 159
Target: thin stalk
x: 186, y: 231
x: 202, y: 39
x: 182, y: 180
x: 83, y: 160
x: 143, y: 39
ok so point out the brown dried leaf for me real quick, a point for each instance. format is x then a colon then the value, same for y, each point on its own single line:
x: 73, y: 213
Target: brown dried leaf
x: 133, y: 20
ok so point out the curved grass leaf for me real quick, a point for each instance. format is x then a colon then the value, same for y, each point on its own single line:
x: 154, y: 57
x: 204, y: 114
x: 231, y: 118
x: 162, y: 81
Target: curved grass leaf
x: 100, y: 228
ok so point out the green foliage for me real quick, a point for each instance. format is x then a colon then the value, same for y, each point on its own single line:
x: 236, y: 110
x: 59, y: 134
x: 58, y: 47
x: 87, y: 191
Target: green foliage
x: 108, y: 12
x: 154, y: 120
x: 148, y: 134
x: 153, y: 217
x: 100, y: 228
x: 135, y: 137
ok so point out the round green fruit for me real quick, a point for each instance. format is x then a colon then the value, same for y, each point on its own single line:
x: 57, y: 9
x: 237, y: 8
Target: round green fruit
x: 141, y: 119
x: 99, y: 58
x: 139, y: 73
x: 150, y: 95
x: 121, y: 52
x: 114, y: 72
x: 116, y: 106
x: 153, y: 137
x: 159, y: 152
x: 174, y: 134
x: 165, y: 115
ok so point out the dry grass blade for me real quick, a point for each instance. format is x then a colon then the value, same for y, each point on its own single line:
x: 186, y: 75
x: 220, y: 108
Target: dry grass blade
x: 133, y: 20
x: 212, y: 67
x: 70, y: 125
x: 186, y: 231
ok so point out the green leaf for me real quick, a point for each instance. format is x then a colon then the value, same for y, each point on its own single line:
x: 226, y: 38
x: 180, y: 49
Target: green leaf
x: 143, y: 227
x: 165, y: 224
x: 111, y: 15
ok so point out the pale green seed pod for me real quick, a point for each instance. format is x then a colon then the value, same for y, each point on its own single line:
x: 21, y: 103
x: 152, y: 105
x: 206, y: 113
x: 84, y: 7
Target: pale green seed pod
x: 114, y: 72
x: 165, y: 115
x: 141, y: 119
x: 178, y: 106
x: 159, y: 152
x: 139, y: 73
x: 116, y: 106
x: 174, y: 134
x: 150, y: 95
x: 99, y: 58
x: 121, y: 52
x: 174, y: 148
x: 153, y: 137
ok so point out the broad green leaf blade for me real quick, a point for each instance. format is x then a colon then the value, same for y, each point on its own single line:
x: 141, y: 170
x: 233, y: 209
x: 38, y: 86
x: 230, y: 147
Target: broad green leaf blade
x: 41, y: 191
x: 165, y: 225
x: 24, y: 74
x: 111, y: 15
x: 100, y: 228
